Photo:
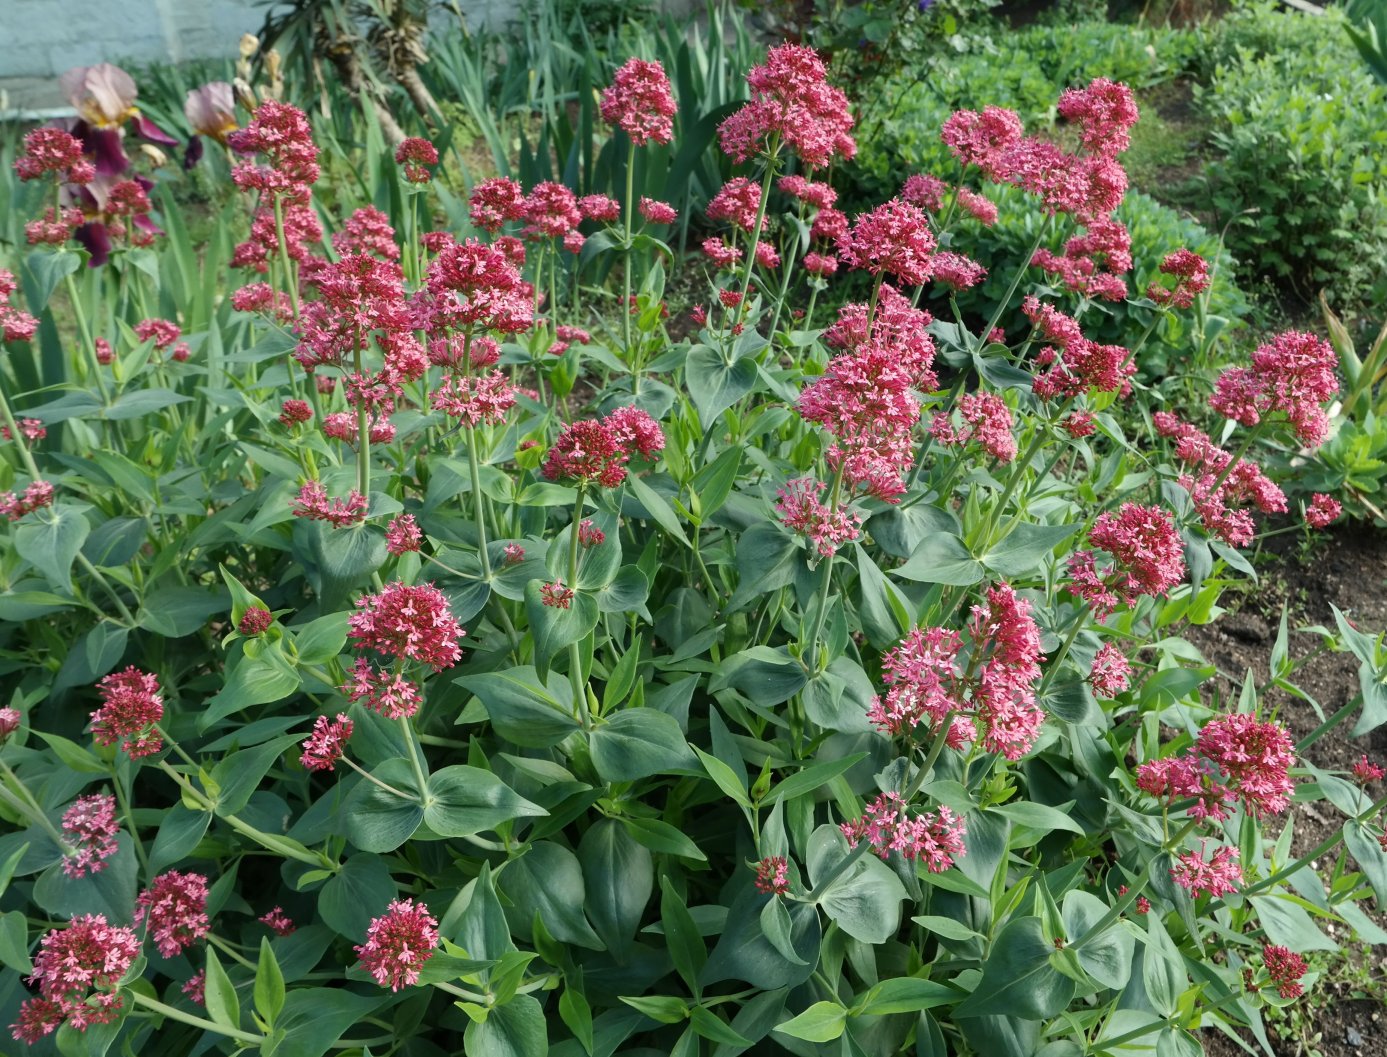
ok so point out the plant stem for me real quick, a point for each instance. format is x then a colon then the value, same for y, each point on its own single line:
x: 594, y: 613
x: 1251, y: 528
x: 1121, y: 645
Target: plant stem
x: 1130, y: 896
x: 88, y: 345
x: 26, y: 805
x: 1252, y: 435
x: 363, y: 436
x: 226, y: 948
x: 629, y: 205
x: 1015, y: 282
x: 474, y: 465
x: 290, y: 281
x: 575, y: 657
x: 169, y: 1012
x: 384, y: 785
x: 420, y: 774
x: 1062, y: 653
x: 771, y: 155
x: 125, y: 810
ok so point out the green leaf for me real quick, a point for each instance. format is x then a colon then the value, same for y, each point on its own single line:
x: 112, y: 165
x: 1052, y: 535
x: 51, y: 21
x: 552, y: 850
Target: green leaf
x: 864, y: 900
x: 637, y: 743
x: 1024, y: 551
x: 764, y: 674
x: 345, y: 558
x: 576, y: 1014
x: 524, y: 710
x: 321, y: 640
x: 355, y: 894
x: 48, y: 269
x: 1289, y: 924
x: 18, y: 606
x: 177, y: 611
x: 714, y: 384
x: 941, y: 558
x: 179, y: 833
x: 314, y: 1018
x: 1163, y: 974
x: 379, y: 821
x: 269, y: 984
x: 821, y: 1022
x: 140, y: 402
x: 657, y: 507
x: 463, y: 801
x: 776, y: 926
x: 812, y: 777
x: 906, y: 994
x: 662, y: 837
x: 712, y: 1027
x: 946, y: 927
x: 724, y: 777
x: 1070, y: 698
x: 222, y: 1004
x: 111, y: 892
x: 619, y: 877
x: 686, y: 947
x: 554, y: 629
x: 548, y: 880
x: 1039, y: 816
x: 1366, y: 851
x: 258, y: 680
x: 1018, y: 979
x: 744, y: 953
x: 238, y: 775
x: 1107, y: 957
x: 49, y: 541
x: 14, y: 942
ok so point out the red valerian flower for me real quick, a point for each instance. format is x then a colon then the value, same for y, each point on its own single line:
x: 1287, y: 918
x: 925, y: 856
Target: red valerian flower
x: 1176, y: 778
x: 131, y: 708
x: 1217, y: 877
x: 367, y: 231
x: 1149, y: 554
x: 415, y: 154
x: 313, y: 503
x: 596, y: 451
x: 195, y: 987
x: 893, y: 239
x: 1285, y: 969
x: 1292, y: 374
x: 983, y: 138
x: 551, y: 211
x: 295, y: 412
x: 322, y: 749
x: 36, y: 495
x: 818, y: 195
x: 1105, y: 113
x: 935, y: 838
x: 408, y: 622
x: 10, y: 719
x: 478, y: 400
x: 77, y: 970
x: 1255, y: 758
x: 987, y: 420
x: 802, y: 511
x: 51, y: 151
x: 383, y: 691
x: 556, y: 595
x: 275, y: 919
x: 399, y: 943
x: 1191, y: 278
x: 603, y: 209
x: 819, y: 264
x: 15, y: 324
x: 773, y: 875
x: 1323, y: 511
x: 791, y: 98
x: 255, y: 621
x: 1111, y: 672
x: 640, y: 102
x: 1365, y: 771
x: 282, y: 133
x: 1094, y: 262
x: 91, y: 829
x: 737, y: 202
x: 176, y: 907
x: 494, y: 202
x: 403, y: 535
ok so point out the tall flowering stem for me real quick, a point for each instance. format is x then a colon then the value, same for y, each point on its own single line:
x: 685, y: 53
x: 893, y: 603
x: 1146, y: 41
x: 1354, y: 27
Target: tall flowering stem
x: 1015, y: 281
x: 575, y: 658
x: 84, y: 330
x: 772, y: 157
x: 475, y: 469
x: 810, y: 644
x: 629, y: 207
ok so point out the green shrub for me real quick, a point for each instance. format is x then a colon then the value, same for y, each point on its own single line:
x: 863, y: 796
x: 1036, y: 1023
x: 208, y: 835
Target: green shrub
x: 1302, y: 177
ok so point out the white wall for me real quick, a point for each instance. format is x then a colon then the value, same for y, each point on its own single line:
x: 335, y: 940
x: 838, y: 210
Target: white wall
x: 42, y: 38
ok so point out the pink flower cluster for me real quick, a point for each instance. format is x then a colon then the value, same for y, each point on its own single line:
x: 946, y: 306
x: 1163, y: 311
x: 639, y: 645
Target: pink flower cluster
x: 36, y: 495
x: 280, y: 132
x: 1218, y: 876
x: 1323, y: 511
x: 313, y: 503
x: 326, y: 745
x: 277, y: 921
x: 791, y: 100
x: 1148, y: 553
x: 640, y: 102
x: 596, y: 451
x: 15, y: 324
x: 737, y: 203
x: 474, y: 287
x: 416, y: 155
x: 175, y: 905
x: 1074, y: 364
x: 1111, y: 672
x: 986, y: 420
x: 367, y: 231
x: 1236, y: 757
x: 77, y: 970
x: 1220, y: 504
x: 1285, y: 968
x: 934, y: 838
x: 802, y: 511
x: 992, y: 686
x: 91, y: 829
x: 131, y: 708
x: 478, y: 400
x: 1191, y: 274
x: 382, y: 690
x: 51, y: 151
x: 893, y: 239
x: 1093, y: 263
x: 1293, y: 374
x: 399, y: 944
x: 866, y: 397
x: 408, y: 623
x: 773, y: 875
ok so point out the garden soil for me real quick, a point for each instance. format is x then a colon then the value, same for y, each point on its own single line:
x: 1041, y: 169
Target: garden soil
x: 1347, y: 568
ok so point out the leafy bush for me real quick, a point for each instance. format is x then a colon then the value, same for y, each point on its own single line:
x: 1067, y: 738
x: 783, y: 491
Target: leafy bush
x: 1301, y: 172
x: 779, y: 719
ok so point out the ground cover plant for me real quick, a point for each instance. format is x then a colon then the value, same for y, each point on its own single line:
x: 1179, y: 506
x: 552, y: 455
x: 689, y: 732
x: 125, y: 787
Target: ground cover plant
x: 414, y: 647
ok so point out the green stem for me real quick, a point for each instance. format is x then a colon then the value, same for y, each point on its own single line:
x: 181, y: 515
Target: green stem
x: 1063, y: 652
x: 771, y: 156
x: 1111, y: 1045
x: 1015, y: 282
x: 575, y: 657
x: 474, y: 466
x: 420, y: 774
x: 88, y: 345
x: 290, y: 282
x: 462, y: 993
x: 1252, y: 435
x: 226, y: 948
x: 29, y: 807
x: 363, y: 436
x: 92, y: 571
x: 384, y: 785
x: 192, y: 1019
x: 630, y: 206
x: 1132, y: 893
x: 124, y: 801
